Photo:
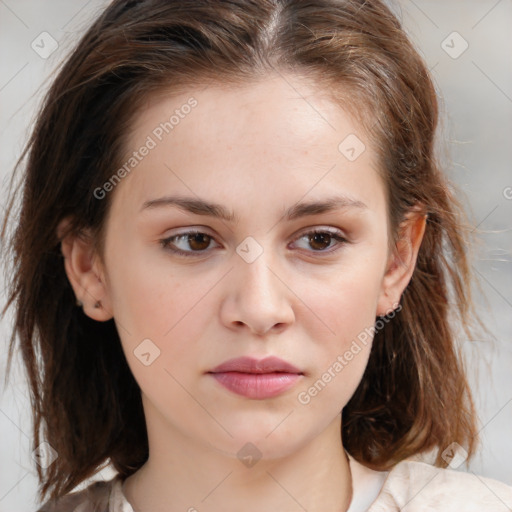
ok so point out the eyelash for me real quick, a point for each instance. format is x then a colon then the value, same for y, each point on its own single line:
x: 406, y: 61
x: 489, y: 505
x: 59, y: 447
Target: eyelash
x: 166, y: 243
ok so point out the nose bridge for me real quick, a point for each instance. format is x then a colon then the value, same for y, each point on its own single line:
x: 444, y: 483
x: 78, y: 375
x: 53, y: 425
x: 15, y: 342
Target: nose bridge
x: 260, y: 296
x: 255, y: 266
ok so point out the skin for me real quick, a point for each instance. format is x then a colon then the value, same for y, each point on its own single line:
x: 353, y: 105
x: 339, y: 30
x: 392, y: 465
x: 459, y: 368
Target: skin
x: 257, y: 150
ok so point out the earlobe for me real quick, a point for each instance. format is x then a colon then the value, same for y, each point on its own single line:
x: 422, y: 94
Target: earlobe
x: 84, y: 272
x: 402, y: 261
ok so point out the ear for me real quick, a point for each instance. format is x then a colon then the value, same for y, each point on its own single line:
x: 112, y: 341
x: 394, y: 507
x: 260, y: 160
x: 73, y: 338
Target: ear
x: 402, y: 261
x: 85, y: 272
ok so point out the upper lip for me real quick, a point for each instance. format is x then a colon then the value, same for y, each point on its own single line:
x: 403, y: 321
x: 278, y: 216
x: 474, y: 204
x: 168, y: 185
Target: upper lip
x: 270, y: 364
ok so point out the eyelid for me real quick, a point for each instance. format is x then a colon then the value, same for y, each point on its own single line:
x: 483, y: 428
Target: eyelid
x: 320, y: 229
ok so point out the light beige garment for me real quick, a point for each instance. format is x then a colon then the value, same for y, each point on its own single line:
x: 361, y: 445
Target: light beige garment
x: 411, y: 486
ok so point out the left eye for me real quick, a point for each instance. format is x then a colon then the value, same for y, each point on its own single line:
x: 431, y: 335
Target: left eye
x: 199, y: 242
x: 321, y: 239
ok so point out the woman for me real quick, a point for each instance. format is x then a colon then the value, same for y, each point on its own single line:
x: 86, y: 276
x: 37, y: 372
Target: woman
x: 238, y: 267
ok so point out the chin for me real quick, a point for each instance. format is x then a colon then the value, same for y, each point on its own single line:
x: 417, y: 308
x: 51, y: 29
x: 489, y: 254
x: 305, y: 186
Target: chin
x: 261, y: 440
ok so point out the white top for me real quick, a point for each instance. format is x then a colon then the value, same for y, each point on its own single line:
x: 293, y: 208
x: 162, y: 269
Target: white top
x: 366, y: 485
x: 411, y: 486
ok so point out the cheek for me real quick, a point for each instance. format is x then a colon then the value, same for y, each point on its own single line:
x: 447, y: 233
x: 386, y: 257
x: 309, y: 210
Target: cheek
x: 341, y: 350
x: 328, y: 391
x: 154, y: 302
x: 148, y: 297
x: 344, y: 301
x: 342, y: 332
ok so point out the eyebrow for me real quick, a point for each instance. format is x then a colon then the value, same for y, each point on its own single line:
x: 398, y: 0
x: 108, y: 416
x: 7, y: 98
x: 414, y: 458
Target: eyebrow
x: 211, y: 209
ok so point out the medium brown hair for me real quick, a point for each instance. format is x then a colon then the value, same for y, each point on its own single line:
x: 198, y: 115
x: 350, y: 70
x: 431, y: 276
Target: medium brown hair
x: 413, y: 396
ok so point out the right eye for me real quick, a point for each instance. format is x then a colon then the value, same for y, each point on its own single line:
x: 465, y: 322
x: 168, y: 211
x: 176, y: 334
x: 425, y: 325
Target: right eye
x: 194, y: 239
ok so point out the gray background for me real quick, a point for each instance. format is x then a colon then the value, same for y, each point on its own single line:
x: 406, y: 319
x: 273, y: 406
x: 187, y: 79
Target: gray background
x: 476, y: 91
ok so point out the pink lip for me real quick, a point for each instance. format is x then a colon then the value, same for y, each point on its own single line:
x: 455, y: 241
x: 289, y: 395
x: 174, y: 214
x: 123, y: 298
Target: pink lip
x: 259, y: 379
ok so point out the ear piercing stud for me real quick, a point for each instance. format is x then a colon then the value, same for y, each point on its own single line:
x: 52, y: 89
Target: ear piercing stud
x: 80, y: 304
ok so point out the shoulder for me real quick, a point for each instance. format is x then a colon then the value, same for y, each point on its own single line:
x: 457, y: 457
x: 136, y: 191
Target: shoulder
x: 93, y: 498
x: 413, y: 486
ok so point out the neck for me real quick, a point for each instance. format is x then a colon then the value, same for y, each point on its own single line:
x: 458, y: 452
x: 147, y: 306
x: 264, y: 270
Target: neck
x: 182, y: 474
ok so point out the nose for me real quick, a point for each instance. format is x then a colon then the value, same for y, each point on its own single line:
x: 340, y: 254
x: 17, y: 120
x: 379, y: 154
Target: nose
x: 258, y: 297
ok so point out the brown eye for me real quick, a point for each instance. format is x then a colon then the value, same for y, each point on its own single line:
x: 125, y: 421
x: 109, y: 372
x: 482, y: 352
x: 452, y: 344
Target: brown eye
x: 190, y: 243
x: 199, y: 241
x: 320, y: 240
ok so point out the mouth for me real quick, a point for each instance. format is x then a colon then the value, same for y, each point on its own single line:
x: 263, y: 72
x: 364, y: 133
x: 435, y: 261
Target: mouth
x: 256, y: 379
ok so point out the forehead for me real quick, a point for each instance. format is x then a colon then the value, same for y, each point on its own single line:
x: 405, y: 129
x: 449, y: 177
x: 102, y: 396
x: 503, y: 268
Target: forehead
x: 282, y: 131
x: 281, y: 109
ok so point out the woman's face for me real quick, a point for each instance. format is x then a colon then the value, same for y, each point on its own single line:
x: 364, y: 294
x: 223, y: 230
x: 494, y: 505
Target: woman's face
x: 257, y: 283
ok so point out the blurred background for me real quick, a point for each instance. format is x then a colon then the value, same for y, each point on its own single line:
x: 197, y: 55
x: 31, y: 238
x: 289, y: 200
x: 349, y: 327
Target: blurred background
x: 466, y: 44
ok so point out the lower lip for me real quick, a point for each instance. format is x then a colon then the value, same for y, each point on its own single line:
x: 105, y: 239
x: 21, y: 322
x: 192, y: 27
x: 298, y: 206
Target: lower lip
x: 257, y: 385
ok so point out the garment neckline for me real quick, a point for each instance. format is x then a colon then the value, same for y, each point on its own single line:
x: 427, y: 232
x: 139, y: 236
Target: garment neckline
x: 366, y: 485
